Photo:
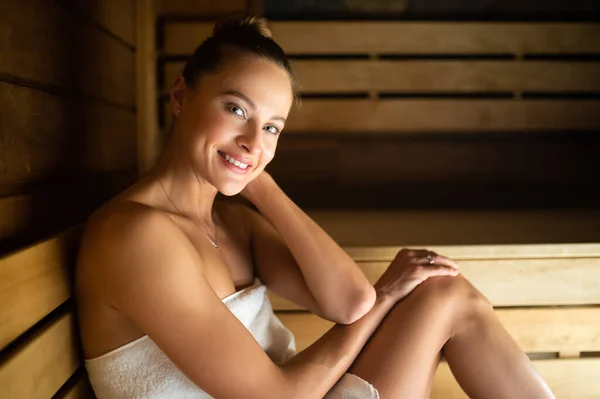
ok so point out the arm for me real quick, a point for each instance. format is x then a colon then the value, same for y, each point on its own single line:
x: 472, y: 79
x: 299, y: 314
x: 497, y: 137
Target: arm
x: 155, y: 276
x: 297, y: 259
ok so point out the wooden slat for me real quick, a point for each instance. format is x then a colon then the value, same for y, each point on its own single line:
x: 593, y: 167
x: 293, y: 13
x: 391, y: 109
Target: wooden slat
x: 535, y: 330
x: 400, y: 37
x: 52, y: 45
x: 46, y: 135
x: 54, y: 206
x: 345, y: 76
x: 43, y: 364
x: 515, y: 282
x: 484, y: 252
x: 568, y: 379
x: 33, y: 282
x: 78, y: 387
x: 397, y: 116
x: 148, y: 138
x: 117, y: 16
x: 435, y: 228
x: 201, y: 8
x: 357, y: 116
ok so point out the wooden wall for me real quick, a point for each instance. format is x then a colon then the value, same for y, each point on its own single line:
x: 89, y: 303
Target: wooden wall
x: 67, y: 112
x: 431, y: 114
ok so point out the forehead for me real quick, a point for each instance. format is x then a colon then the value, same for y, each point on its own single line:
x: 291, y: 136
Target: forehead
x: 265, y: 83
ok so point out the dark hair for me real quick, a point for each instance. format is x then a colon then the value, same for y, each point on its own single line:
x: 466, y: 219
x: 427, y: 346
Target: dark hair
x: 244, y: 33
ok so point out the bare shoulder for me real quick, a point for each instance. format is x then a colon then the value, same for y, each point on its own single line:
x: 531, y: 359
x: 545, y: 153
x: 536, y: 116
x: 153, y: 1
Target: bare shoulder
x: 120, y: 240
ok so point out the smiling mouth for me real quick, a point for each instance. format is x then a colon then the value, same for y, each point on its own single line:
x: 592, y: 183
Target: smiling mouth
x: 233, y: 161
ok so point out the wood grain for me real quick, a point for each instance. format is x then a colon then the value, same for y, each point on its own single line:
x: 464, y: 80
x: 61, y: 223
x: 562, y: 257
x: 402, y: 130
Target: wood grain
x: 410, y: 76
x: 48, y: 135
x: 33, y: 282
x: 52, y: 45
x: 399, y: 37
x: 201, y: 8
x: 39, y: 367
x: 427, y: 115
x: 116, y: 16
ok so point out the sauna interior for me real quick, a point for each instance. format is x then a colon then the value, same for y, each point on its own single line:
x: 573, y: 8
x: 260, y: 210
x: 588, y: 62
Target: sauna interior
x: 469, y: 129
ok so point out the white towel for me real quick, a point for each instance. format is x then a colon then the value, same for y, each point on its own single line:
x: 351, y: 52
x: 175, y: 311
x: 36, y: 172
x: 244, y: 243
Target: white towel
x: 141, y: 370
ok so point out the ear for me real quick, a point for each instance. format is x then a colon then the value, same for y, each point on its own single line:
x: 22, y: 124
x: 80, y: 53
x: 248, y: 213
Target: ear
x: 178, y: 94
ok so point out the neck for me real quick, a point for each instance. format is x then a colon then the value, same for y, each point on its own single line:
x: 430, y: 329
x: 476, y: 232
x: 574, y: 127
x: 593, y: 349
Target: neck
x: 183, y: 190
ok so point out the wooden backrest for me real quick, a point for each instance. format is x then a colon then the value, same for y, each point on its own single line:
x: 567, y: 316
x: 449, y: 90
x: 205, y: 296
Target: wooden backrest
x: 39, y: 348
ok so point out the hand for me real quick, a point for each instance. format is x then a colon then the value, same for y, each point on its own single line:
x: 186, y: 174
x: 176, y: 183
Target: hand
x: 409, y: 269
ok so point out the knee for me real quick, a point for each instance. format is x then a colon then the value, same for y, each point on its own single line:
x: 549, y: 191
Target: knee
x: 457, y: 296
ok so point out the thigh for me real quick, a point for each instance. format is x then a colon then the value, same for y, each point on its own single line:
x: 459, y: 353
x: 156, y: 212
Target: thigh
x: 402, y: 356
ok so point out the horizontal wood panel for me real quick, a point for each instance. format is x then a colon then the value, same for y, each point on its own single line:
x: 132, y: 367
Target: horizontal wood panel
x: 397, y: 116
x: 201, y: 8
x: 399, y: 37
x: 33, y: 282
x: 357, y: 116
x: 484, y: 252
x: 460, y: 227
x: 78, y: 388
x: 535, y: 330
x: 51, y: 44
x: 39, y: 367
x: 512, y: 162
x: 48, y: 135
x: 568, y: 379
x: 515, y: 282
x: 55, y: 205
x: 344, y: 76
x: 116, y: 16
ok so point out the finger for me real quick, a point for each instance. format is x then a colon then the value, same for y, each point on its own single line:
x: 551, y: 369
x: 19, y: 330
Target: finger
x: 439, y: 270
x: 437, y: 259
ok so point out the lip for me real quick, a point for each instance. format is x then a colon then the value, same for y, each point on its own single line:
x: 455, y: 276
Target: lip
x: 232, y: 167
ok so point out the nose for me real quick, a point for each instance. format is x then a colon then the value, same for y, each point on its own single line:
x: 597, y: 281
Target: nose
x: 251, y: 140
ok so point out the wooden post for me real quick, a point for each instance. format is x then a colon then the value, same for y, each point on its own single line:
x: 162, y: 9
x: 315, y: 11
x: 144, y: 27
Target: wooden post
x: 147, y: 120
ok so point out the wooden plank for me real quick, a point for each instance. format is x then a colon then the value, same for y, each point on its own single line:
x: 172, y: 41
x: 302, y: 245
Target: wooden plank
x: 42, y: 37
x: 33, y: 282
x: 568, y: 379
x: 483, y: 252
x: 399, y: 37
x: 461, y: 227
x: 148, y: 137
x: 344, y: 76
x: 201, y: 8
x: 116, y: 16
x: 47, y: 135
x: 535, y: 330
x: 515, y: 282
x: 412, y: 116
x: 392, y: 116
x: 53, y: 206
x: 39, y: 367
x: 78, y: 387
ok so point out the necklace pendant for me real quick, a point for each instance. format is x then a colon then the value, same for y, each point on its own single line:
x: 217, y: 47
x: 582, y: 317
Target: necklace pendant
x: 214, y: 244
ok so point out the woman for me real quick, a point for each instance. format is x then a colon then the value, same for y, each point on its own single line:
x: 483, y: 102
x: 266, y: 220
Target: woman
x: 171, y: 286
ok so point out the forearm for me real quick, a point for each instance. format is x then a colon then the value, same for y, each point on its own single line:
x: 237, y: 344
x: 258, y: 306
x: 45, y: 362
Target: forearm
x: 334, y: 279
x: 312, y: 372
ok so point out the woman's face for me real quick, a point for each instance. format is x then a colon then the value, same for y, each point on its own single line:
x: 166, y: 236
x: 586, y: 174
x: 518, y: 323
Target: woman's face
x: 230, y: 123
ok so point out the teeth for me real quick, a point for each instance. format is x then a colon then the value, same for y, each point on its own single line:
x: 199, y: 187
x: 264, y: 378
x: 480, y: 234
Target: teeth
x: 237, y: 163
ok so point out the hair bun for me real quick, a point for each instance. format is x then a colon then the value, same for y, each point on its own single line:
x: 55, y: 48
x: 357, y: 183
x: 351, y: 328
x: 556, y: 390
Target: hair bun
x: 242, y: 21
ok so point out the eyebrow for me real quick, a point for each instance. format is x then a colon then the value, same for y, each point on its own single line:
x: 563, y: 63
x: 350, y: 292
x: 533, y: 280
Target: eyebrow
x: 245, y: 98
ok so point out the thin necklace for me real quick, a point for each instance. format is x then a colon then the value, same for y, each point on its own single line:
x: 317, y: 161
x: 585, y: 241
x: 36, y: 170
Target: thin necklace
x: 213, y: 242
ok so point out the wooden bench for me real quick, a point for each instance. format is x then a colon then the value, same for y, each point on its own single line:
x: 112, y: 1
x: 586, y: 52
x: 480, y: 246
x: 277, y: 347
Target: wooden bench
x: 547, y: 295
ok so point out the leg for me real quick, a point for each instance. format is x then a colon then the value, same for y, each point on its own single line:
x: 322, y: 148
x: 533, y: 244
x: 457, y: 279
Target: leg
x: 447, y: 314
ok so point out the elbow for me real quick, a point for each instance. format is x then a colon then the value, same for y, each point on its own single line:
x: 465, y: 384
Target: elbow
x: 358, y: 305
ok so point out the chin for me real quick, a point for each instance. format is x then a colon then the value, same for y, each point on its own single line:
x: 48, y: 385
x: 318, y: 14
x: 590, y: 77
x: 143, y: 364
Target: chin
x: 230, y: 190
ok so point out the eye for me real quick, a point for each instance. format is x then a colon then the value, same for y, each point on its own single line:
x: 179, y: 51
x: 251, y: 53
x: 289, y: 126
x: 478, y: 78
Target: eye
x: 271, y: 129
x: 238, y: 111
